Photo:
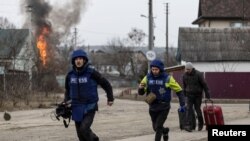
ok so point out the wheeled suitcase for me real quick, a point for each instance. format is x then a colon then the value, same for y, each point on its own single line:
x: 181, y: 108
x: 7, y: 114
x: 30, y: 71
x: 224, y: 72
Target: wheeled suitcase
x: 213, y: 114
x: 183, y: 119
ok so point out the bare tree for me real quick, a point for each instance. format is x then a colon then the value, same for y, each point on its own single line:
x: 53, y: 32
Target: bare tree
x: 17, y: 87
x: 5, y: 24
x: 64, y: 45
x: 136, y: 37
x: 100, y: 61
x: 128, y: 61
x: 120, y: 53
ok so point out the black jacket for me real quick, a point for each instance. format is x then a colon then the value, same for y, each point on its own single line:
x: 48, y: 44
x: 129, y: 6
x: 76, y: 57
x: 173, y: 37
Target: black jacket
x: 194, y: 83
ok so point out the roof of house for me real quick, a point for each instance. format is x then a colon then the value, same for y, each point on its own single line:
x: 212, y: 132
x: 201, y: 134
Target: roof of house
x: 11, y: 41
x: 223, y: 9
x: 213, y: 44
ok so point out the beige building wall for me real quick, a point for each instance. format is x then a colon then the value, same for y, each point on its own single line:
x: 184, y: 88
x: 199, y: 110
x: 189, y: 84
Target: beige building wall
x: 223, y: 23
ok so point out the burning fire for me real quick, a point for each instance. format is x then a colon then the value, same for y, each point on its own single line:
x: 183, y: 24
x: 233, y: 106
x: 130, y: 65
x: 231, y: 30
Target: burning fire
x: 42, y: 44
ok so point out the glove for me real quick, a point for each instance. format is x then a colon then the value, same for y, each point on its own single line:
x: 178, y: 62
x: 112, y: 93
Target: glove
x: 182, y: 109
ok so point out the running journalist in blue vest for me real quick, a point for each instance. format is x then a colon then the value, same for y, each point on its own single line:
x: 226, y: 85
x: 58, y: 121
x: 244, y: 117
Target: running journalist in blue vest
x: 81, y: 89
x: 157, y: 86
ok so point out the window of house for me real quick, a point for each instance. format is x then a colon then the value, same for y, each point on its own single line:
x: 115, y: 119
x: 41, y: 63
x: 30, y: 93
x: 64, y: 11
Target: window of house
x: 236, y: 24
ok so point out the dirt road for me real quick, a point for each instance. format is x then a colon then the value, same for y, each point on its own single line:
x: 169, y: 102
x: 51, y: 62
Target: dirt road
x: 124, y: 119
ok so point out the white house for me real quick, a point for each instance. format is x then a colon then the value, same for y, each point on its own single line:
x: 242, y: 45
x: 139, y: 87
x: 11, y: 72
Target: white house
x: 17, y: 52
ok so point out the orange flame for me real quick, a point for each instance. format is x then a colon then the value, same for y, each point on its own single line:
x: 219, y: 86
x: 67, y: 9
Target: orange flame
x: 42, y: 44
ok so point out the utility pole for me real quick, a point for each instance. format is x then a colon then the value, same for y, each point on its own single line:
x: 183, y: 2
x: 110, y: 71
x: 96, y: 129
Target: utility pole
x: 30, y: 9
x: 151, y: 30
x: 75, y: 37
x: 167, y: 56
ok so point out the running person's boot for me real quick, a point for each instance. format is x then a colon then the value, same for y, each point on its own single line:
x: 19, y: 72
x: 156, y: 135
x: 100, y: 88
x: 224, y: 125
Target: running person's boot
x: 165, y: 134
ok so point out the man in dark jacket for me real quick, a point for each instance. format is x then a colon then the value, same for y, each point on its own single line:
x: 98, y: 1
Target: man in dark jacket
x: 160, y: 84
x: 194, y: 84
x: 81, y: 88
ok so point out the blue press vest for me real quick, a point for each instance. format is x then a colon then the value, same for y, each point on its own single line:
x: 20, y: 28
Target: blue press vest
x: 158, y: 87
x: 83, y: 89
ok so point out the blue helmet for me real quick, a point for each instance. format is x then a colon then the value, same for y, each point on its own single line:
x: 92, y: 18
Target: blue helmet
x: 79, y: 53
x: 157, y: 63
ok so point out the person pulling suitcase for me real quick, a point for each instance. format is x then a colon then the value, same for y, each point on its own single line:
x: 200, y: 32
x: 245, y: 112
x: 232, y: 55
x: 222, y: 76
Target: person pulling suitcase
x: 193, y: 86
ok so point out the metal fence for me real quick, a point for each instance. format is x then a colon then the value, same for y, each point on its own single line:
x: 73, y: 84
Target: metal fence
x: 9, y: 81
x: 225, y: 85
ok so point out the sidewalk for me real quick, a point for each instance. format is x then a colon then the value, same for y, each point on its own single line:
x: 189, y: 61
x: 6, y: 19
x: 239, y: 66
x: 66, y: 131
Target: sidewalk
x: 178, y: 135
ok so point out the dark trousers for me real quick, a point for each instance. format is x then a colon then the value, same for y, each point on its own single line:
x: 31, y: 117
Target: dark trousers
x: 83, y: 129
x: 194, y: 101
x: 158, y: 119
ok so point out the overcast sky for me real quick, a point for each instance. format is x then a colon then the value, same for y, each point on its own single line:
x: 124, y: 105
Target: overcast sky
x: 103, y: 20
